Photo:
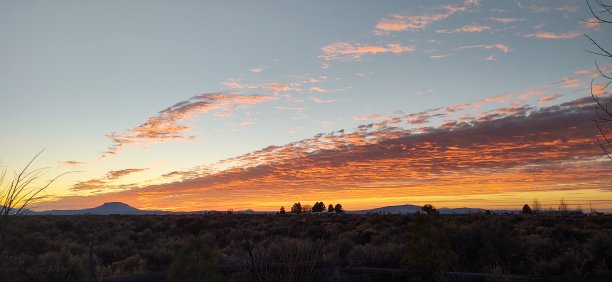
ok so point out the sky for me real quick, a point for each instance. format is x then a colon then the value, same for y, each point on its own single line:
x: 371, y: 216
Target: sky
x: 200, y: 105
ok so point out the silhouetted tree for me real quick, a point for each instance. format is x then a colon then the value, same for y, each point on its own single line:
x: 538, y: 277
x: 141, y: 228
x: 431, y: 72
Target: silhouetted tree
x: 430, y: 210
x: 306, y: 208
x: 563, y: 207
x: 296, y: 208
x: 318, y: 207
x: 602, y: 13
x: 527, y: 209
x: 536, y: 206
x: 282, y: 210
x: 338, y: 208
x: 330, y: 208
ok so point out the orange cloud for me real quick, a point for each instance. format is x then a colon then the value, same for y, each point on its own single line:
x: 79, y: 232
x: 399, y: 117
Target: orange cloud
x: 168, y: 124
x: 93, y: 184
x: 399, y: 22
x: 514, y: 149
x: 599, y: 89
x: 115, y: 174
x: 552, y: 35
x: 73, y: 163
x: 105, y: 184
x: 349, y: 52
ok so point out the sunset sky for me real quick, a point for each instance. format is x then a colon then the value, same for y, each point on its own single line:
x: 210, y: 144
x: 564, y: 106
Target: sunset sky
x: 199, y: 105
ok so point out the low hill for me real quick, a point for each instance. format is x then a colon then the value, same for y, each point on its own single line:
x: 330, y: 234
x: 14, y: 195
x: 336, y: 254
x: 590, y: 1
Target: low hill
x: 105, y: 209
x: 408, y: 209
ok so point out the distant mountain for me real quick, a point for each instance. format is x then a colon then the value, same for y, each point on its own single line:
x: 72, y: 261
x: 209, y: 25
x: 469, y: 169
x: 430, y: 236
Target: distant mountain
x: 105, y: 209
x: 122, y: 208
x: 407, y: 209
x: 402, y: 209
x: 461, y: 210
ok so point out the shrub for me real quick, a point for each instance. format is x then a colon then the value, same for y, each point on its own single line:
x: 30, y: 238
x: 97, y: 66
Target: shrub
x: 195, y: 262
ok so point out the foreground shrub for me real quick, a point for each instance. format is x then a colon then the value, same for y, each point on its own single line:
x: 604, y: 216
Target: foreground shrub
x: 195, y: 262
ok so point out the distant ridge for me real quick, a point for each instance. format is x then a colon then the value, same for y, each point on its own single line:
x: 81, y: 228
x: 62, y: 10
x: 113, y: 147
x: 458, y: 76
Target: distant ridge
x: 408, y: 209
x: 123, y: 208
x: 104, y: 209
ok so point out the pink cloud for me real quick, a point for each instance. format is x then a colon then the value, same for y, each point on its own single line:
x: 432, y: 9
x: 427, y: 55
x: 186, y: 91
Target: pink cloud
x: 456, y: 108
x: 568, y: 8
x: 571, y: 82
x: 319, y: 101
x: 599, y: 90
x: 533, y: 92
x: 548, y: 99
x: 256, y: 69
x: 399, y: 22
x: 317, y: 89
x: 504, y: 20
x: 372, y: 117
x: 501, y: 47
x: 235, y: 84
x: 468, y: 28
x: 552, y: 35
x: 591, y: 23
x: 297, y: 109
x: 349, y: 52
x: 498, y: 98
x: 439, y: 56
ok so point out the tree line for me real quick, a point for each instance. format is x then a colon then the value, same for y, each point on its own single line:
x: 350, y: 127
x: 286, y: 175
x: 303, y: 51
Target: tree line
x: 318, y: 207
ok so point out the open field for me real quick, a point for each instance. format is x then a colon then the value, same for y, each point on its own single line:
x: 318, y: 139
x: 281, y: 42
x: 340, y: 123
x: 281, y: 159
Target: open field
x: 306, y: 247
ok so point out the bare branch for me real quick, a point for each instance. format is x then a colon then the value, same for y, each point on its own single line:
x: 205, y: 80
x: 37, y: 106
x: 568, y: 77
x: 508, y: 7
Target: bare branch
x: 20, y: 194
x: 606, y: 53
x: 603, y: 5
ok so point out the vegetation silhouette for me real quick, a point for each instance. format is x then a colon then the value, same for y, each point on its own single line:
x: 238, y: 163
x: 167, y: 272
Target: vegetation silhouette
x: 251, y: 247
x: 195, y: 263
x: 22, y: 193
